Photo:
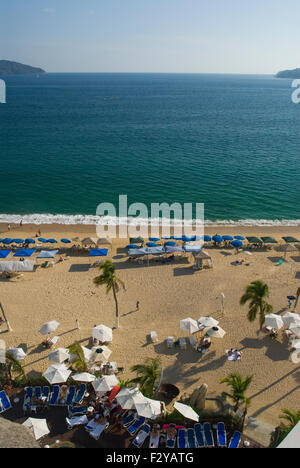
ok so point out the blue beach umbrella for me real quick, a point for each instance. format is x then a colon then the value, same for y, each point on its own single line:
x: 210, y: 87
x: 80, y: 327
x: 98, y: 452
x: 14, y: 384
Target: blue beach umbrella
x: 29, y: 241
x: 151, y: 244
x: 170, y: 244
x: 196, y: 238
x: 227, y: 238
x: 239, y: 238
x: 217, y: 239
x: 65, y: 241
x: 237, y: 244
x: 166, y: 238
x: 7, y: 241
x: 41, y: 239
x: 18, y: 241
x: 186, y: 239
x: 132, y: 246
x: 207, y: 239
x: 154, y: 239
x: 52, y: 241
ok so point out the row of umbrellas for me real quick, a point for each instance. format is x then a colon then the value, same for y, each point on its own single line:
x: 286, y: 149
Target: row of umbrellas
x: 290, y: 320
x: 28, y: 241
x: 210, y: 325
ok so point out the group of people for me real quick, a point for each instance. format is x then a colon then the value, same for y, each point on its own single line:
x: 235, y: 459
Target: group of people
x: 233, y: 354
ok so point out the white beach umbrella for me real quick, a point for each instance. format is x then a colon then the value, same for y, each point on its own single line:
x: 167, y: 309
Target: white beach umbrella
x: 189, y: 325
x: 105, y: 384
x: 216, y: 332
x: 87, y: 353
x: 186, y: 411
x: 59, y: 355
x: 274, y: 321
x: 2, y: 352
x: 208, y: 322
x: 128, y: 397
x: 101, y: 354
x: 291, y: 319
x: 18, y: 353
x: 49, y: 327
x: 57, y: 373
x: 38, y: 427
x: 148, y: 408
x: 296, y: 331
x: 295, y: 344
x: 84, y: 377
x: 102, y: 333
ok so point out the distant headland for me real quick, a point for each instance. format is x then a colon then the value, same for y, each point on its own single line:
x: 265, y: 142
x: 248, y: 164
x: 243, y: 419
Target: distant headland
x: 14, y: 68
x: 293, y: 74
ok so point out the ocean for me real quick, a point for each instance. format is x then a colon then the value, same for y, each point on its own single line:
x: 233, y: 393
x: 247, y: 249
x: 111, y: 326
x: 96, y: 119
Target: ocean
x: 71, y: 141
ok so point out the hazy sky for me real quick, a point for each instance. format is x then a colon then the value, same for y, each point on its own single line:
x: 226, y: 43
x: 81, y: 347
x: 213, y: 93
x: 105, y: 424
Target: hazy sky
x: 192, y: 36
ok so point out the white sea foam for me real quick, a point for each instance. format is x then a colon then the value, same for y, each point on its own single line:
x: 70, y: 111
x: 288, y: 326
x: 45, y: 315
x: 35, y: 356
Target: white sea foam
x: 39, y: 219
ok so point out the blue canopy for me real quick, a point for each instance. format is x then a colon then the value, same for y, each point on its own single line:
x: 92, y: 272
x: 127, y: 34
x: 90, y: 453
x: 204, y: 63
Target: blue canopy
x: 18, y: 241
x: 52, y: 241
x: 24, y: 253
x: 227, y: 238
x: 217, y: 239
x: 192, y: 248
x: 176, y: 248
x: 239, y: 238
x: 29, y: 241
x: 98, y: 252
x: 47, y: 254
x: 196, y: 238
x: 4, y: 253
x: 132, y: 246
x: 65, y: 241
x: 186, y: 239
x: 41, y: 239
x: 151, y: 244
x: 7, y: 241
x: 237, y: 243
x: 170, y: 244
x: 154, y: 239
x: 207, y: 239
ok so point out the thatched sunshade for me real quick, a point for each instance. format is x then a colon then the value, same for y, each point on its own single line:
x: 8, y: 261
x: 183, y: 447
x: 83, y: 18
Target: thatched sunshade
x: 269, y: 240
x: 103, y: 241
x: 290, y: 240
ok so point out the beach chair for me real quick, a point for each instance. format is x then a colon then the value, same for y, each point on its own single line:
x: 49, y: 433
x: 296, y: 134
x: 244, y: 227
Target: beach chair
x: 71, y: 395
x: 199, y: 435
x: 46, y: 393
x: 54, y: 396
x: 5, y: 404
x: 80, y: 394
x: 92, y: 425
x: 28, y: 393
x: 129, y: 418
x: 193, y: 342
x: 235, y: 440
x: 136, y: 425
x: 181, y: 439
x: 154, y: 437
x: 154, y: 337
x: 76, y: 421
x: 221, y: 435
x: 96, y: 433
x: 208, y: 434
x: 142, y: 436
x: 53, y: 341
x: 170, y: 342
x: 38, y: 392
x: 171, y: 438
x: 191, y: 438
x: 182, y: 343
x: 77, y: 410
x: 45, y: 264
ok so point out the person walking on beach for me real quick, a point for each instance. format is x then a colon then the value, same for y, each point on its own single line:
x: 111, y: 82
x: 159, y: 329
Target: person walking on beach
x: 138, y: 305
x: 8, y: 227
x: 21, y: 223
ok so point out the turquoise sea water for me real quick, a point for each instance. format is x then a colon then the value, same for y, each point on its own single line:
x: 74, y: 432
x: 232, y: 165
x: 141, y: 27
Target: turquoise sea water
x: 71, y: 141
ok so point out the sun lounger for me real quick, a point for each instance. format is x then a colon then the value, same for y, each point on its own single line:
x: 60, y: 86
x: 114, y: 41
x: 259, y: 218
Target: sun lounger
x: 154, y: 439
x: 136, y: 425
x: 28, y: 393
x: 46, y: 393
x: 209, y: 438
x: 129, y: 418
x: 182, y: 343
x: 44, y: 265
x: 235, y: 440
x: 96, y: 433
x: 181, y: 439
x: 199, y: 435
x: 54, y: 396
x: 5, y: 404
x: 92, y: 425
x: 71, y: 395
x: 38, y: 392
x: 170, y: 342
x: 76, y: 421
x: 77, y: 410
x: 221, y: 435
x: 193, y: 342
x: 154, y: 337
x: 171, y: 436
x: 80, y: 394
x: 191, y: 437
x: 53, y: 341
x: 142, y: 436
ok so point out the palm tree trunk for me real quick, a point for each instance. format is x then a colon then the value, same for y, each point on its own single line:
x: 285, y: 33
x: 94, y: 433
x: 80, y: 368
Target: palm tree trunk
x: 117, y: 307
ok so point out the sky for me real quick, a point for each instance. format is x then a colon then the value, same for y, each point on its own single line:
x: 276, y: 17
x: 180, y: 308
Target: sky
x: 161, y: 36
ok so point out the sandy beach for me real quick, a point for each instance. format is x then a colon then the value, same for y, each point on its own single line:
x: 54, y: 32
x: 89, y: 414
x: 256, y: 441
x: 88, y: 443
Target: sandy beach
x: 167, y: 294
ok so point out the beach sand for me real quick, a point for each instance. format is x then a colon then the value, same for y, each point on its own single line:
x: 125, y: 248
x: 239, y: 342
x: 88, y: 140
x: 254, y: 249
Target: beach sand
x: 167, y: 294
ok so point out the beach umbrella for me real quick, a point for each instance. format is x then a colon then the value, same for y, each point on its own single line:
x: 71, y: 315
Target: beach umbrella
x: 89, y: 241
x: 291, y: 239
x: 148, y: 408
x: 59, y: 355
x: 227, y: 238
x: 237, y: 244
x: 186, y: 411
x: 295, y: 330
x: 186, y: 239
x: 217, y: 239
x: 154, y: 239
x: 239, y: 238
x: 189, y: 325
x: 52, y: 241
x: 286, y: 248
x: 49, y: 327
x: 196, y: 238
x: 207, y: 239
x: 296, y: 344
x: 18, y: 241
x: 87, y: 353
x: 166, y: 238
x: 274, y: 321
x: 101, y: 354
x: 208, y: 322
x: 102, y: 333
x: 104, y: 241
x: 42, y: 240
x: 132, y: 246
x: 29, y: 241
x: 65, y: 241
x: 151, y: 244
x: 57, y: 373
x: 128, y: 397
x: 291, y: 319
x: 18, y: 353
x: 7, y: 241
x: 170, y: 244
x: 105, y: 384
x: 216, y: 332
x: 84, y: 377
x: 38, y: 427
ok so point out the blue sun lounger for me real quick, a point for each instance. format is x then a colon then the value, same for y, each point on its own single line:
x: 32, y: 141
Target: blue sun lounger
x: 221, y: 435
x: 129, y: 418
x: 46, y: 393
x: 142, y: 436
x: 181, y: 439
x: 5, y: 404
x: 235, y: 440
x: 77, y: 410
x: 38, y: 392
x: 80, y: 394
x: 136, y: 425
x: 191, y: 439
x: 170, y: 443
x: 28, y: 393
x: 209, y: 438
x: 54, y: 396
x: 199, y: 435
x: 71, y: 395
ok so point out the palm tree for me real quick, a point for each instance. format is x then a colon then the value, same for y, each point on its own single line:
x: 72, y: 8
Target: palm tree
x: 147, y: 375
x: 12, y: 368
x: 111, y: 281
x: 239, y: 386
x: 292, y: 417
x: 78, y: 362
x: 256, y: 293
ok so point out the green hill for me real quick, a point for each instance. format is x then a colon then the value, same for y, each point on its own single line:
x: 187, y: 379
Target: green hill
x: 293, y: 74
x: 14, y: 68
